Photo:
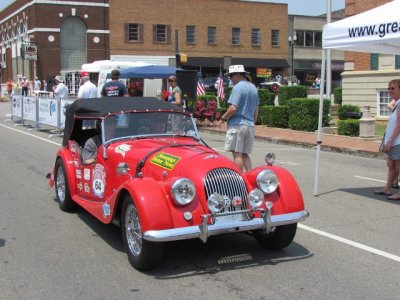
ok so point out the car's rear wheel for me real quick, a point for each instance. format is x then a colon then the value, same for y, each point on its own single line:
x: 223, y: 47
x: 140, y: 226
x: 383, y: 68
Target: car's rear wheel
x: 278, y: 239
x: 63, y: 194
x: 142, y: 254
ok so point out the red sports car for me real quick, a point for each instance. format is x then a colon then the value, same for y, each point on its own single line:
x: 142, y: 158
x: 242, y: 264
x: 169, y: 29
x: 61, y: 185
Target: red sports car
x: 140, y: 163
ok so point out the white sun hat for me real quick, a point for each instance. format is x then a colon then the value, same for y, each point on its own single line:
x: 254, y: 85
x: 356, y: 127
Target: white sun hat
x: 236, y: 69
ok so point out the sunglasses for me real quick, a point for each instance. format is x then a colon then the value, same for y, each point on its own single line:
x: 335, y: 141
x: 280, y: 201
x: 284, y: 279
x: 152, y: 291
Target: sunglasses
x: 171, y: 80
x: 391, y: 88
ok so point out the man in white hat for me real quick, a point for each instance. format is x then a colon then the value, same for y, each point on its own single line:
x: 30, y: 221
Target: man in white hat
x: 241, y: 115
x: 60, y: 90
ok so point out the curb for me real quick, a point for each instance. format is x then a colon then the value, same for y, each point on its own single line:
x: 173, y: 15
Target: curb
x: 327, y: 148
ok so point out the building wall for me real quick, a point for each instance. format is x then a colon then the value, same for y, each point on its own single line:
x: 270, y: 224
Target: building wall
x: 223, y: 14
x: 44, y: 20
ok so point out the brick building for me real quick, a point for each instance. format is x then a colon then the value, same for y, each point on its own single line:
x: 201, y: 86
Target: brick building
x: 219, y: 33
x: 366, y: 75
x: 60, y: 35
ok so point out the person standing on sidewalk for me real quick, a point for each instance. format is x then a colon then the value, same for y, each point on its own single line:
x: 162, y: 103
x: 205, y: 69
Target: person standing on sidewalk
x: 392, y: 142
x: 241, y: 115
x: 87, y: 88
x: 60, y: 90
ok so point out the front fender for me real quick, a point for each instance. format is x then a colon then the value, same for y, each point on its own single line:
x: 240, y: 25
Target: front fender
x: 69, y: 168
x: 288, y: 197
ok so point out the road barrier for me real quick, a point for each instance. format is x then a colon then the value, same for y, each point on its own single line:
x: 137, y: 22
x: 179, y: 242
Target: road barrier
x: 39, y: 111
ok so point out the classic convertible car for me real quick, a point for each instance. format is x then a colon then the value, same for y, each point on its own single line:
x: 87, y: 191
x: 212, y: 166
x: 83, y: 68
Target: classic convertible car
x: 158, y: 180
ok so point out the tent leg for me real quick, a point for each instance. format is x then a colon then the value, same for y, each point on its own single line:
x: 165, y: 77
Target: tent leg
x: 320, y: 116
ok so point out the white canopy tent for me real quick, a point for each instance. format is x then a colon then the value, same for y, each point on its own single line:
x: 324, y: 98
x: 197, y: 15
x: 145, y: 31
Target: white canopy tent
x: 374, y: 31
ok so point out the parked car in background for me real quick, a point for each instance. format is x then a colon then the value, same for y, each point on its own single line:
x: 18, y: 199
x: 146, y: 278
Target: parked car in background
x: 158, y: 180
x: 210, y: 84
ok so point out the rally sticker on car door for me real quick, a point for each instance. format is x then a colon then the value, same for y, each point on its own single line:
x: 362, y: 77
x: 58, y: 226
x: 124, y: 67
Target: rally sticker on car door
x: 165, y: 160
x: 99, y: 181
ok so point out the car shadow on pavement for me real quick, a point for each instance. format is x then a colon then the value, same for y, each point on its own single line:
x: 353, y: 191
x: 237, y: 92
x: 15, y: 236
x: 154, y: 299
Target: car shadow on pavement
x: 221, y: 253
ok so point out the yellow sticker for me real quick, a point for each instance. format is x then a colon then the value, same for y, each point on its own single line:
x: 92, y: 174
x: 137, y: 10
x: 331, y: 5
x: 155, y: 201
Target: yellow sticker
x: 165, y: 160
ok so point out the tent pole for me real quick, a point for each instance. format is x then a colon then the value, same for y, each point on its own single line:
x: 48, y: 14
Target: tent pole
x: 328, y: 55
x: 320, y: 116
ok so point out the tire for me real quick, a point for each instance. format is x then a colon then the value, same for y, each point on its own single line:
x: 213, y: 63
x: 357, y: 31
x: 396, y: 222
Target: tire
x: 61, y: 185
x: 142, y: 255
x: 279, y: 239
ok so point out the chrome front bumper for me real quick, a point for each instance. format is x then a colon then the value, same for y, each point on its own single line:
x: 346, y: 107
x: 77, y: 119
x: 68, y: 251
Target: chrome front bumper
x: 204, y: 230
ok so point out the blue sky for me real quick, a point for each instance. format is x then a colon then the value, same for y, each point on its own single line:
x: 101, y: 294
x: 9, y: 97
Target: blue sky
x: 297, y: 7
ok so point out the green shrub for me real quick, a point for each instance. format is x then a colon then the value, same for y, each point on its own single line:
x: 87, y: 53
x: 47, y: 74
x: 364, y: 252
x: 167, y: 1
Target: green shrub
x: 347, y: 108
x: 304, y: 113
x: 290, y: 92
x: 274, y: 116
x: 266, y: 97
x: 350, y: 127
x: 337, y: 93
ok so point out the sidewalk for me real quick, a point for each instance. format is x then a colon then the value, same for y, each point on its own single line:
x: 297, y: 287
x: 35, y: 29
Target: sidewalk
x: 368, y: 147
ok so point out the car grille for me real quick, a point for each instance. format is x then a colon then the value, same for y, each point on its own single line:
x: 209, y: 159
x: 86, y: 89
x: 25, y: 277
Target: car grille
x: 227, y: 183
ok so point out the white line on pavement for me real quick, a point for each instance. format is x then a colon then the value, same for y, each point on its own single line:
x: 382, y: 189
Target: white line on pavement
x: 350, y: 243
x: 367, y: 178
x: 304, y: 227
x: 32, y: 135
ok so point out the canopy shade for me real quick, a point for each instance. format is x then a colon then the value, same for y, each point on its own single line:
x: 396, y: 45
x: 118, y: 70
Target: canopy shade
x: 148, y: 72
x: 374, y: 31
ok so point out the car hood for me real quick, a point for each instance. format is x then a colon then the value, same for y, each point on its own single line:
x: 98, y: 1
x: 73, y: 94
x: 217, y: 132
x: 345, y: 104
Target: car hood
x: 168, y: 157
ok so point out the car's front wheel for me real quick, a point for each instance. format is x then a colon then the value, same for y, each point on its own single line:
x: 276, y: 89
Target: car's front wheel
x: 280, y: 238
x: 142, y: 254
x: 63, y: 194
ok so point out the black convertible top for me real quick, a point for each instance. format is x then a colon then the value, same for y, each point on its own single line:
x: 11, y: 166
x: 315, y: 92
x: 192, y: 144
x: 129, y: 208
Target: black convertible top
x: 97, y: 108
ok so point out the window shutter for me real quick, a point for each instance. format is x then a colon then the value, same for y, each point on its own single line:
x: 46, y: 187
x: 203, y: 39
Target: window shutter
x: 397, y: 62
x: 169, y: 34
x: 126, y: 32
x: 154, y: 33
x: 374, y: 61
x: 141, y: 37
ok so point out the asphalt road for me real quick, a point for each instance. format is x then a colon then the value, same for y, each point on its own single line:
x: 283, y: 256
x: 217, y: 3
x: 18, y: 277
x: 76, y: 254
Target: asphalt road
x: 348, y: 249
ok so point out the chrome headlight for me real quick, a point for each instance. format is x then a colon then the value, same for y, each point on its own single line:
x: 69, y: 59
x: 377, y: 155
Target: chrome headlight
x: 183, y: 191
x: 267, y: 181
x: 256, y: 198
x: 215, y: 202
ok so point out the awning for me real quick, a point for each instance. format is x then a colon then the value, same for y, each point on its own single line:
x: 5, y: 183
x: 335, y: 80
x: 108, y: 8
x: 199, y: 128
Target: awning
x: 216, y: 62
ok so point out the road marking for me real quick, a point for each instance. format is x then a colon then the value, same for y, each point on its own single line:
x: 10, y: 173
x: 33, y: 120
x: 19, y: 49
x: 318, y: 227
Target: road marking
x: 32, y: 135
x: 372, y: 179
x: 351, y: 243
x: 304, y: 227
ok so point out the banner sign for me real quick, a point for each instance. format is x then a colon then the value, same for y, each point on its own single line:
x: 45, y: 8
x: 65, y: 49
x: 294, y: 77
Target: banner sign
x: 29, y: 108
x: 29, y: 51
x: 263, y: 72
x: 48, y: 111
x: 16, y: 106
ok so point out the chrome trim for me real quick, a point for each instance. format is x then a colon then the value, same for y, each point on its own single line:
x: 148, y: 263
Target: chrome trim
x: 203, y: 231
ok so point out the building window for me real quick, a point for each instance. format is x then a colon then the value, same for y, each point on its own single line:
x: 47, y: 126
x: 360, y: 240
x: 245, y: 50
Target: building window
x: 383, y: 101
x: 255, y: 37
x: 309, y: 39
x: 212, y: 35
x: 190, y: 34
x: 397, y: 62
x: 134, y: 32
x: 161, y: 33
x: 235, y: 36
x: 275, y: 38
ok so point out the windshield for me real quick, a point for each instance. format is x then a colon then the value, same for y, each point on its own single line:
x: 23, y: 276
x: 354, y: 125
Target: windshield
x: 139, y: 124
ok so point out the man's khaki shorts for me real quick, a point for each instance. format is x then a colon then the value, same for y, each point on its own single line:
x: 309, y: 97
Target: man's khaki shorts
x: 240, y: 138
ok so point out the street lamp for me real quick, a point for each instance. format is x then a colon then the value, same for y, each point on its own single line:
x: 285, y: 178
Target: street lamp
x: 292, y: 40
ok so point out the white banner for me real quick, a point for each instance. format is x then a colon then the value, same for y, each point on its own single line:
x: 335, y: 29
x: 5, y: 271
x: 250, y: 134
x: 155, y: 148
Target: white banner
x: 48, y: 111
x: 16, y: 106
x: 29, y: 109
x: 62, y: 114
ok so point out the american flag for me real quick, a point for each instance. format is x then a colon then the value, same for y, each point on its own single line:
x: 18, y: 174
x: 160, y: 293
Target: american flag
x: 201, y: 90
x: 220, y: 85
